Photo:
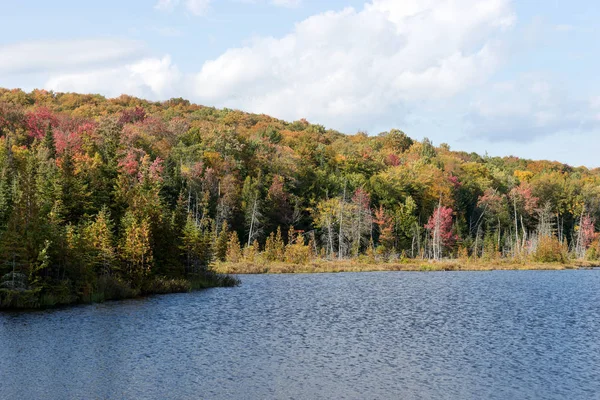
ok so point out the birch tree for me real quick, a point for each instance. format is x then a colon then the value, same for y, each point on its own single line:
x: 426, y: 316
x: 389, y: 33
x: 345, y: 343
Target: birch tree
x: 441, y: 231
x: 252, y: 204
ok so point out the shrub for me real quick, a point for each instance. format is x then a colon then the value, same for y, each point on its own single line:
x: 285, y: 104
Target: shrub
x: 210, y: 279
x: 297, y: 253
x: 274, y: 247
x: 112, y: 288
x: 592, y: 253
x: 161, y: 285
x: 251, y: 253
x: 12, y: 299
x: 549, y: 249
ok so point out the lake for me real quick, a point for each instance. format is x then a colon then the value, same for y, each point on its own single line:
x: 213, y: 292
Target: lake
x: 382, y: 335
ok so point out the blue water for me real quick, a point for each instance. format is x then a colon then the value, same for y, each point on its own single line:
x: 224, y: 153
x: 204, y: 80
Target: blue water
x: 384, y: 335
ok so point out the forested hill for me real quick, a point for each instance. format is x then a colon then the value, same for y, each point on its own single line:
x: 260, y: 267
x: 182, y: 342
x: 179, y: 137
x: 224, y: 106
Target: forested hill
x: 93, y: 187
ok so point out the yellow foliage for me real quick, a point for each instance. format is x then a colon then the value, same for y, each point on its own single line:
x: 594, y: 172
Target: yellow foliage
x: 523, y: 176
x: 549, y: 249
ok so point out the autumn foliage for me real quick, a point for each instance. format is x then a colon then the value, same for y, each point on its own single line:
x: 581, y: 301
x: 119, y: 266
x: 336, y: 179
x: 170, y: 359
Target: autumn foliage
x: 96, y: 190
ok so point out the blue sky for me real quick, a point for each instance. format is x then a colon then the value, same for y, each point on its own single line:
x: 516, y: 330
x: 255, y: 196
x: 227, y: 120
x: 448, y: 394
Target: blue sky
x: 497, y: 76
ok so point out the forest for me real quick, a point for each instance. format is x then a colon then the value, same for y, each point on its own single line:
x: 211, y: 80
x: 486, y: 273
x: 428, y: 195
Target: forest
x: 110, y: 198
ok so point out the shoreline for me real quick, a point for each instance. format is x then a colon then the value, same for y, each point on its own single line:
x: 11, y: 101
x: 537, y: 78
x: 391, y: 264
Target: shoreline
x: 245, y: 268
x: 37, y: 299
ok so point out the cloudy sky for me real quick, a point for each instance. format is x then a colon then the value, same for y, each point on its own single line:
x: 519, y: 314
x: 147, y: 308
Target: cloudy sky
x: 498, y: 76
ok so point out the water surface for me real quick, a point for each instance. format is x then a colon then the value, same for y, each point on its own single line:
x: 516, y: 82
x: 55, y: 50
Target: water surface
x: 381, y: 335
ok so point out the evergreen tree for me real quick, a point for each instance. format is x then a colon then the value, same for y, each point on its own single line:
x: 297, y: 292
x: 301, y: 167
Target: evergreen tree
x: 234, y: 251
x: 49, y: 143
x: 135, y: 248
x: 220, y: 250
x: 99, y: 235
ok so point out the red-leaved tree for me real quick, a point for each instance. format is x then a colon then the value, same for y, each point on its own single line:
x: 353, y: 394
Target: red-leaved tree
x: 38, y: 120
x: 441, y: 230
x: 585, y: 235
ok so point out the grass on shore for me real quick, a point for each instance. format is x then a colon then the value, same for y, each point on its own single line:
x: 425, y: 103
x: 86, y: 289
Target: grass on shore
x: 324, y: 266
x: 108, y: 288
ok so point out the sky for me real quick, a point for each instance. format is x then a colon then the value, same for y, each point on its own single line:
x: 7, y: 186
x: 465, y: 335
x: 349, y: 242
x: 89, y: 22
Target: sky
x: 499, y: 77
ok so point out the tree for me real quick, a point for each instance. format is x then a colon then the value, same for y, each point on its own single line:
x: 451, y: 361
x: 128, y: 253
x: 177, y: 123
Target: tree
x: 220, y: 250
x: 96, y: 190
x: 38, y: 120
x: 427, y: 149
x: 342, y: 232
x: 441, y: 231
x: 524, y: 205
x: 362, y: 220
x: 586, y: 233
x: 251, y: 253
x: 277, y: 206
x: 197, y: 244
x: 135, y: 247
x: 252, y: 206
x: 99, y: 234
x: 334, y: 218
x: 296, y: 251
x: 234, y: 251
x: 49, y: 143
x: 385, y: 226
x: 325, y: 216
x: 74, y: 190
x: 274, y: 247
x: 397, y: 141
x: 407, y: 230
x: 494, y: 215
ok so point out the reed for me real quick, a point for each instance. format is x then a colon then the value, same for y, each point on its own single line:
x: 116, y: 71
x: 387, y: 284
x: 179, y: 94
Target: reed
x: 323, y: 266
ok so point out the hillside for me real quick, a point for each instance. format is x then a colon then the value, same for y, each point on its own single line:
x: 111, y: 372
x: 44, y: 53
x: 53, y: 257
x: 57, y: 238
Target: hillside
x: 120, y: 195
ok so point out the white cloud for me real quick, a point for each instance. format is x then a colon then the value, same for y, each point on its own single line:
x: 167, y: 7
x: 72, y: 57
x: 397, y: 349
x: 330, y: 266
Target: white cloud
x: 345, y: 68
x: 149, y: 78
x: 386, y: 64
x: 196, y: 7
x: 43, y: 56
x: 527, y: 109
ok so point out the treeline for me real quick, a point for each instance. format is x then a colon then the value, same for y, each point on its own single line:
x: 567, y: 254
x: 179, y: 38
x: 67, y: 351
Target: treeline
x: 124, y: 193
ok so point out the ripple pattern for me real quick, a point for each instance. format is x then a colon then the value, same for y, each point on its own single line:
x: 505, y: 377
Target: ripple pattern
x: 382, y: 335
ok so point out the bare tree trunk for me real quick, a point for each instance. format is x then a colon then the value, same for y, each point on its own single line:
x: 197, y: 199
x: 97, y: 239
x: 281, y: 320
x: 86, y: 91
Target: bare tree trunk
x: 524, y: 233
x: 476, y: 247
x: 437, y: 240
x: 417, y: 234
x: 252, y: 221
x: 499, y: 233
x: 341, y: 233
x: 196, y: 209
x: 516, y: 227
x: 329, y: 237
x: 189, y: 202
x: 579, y: 245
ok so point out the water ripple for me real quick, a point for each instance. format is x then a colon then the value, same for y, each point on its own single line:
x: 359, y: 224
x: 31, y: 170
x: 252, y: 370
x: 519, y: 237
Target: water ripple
x: 495, y: 335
